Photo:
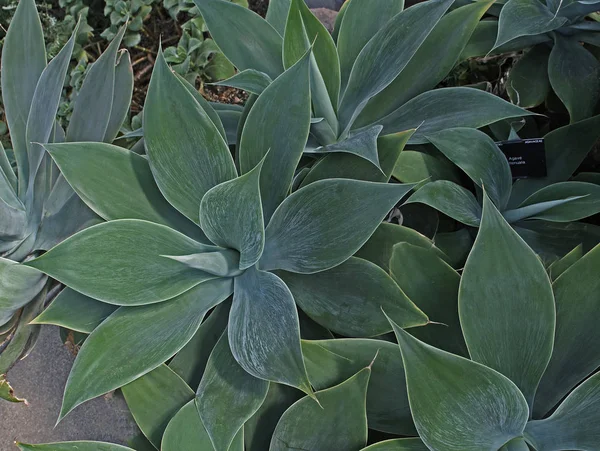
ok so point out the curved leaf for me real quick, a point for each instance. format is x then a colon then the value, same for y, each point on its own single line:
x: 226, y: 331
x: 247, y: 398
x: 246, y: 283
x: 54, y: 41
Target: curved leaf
x: 382, y: 59
x: 245, y: 38
x: 117, y: 184
x: 433, y: 286
x: 264, y: 333
x: 337, y: 421
x: 458, y: 404
x: 477, y: 155
x: 585, y: 201
x: 444, y: 108
x: 527, y: 84
x: 512, y: 331
x: 75, y: 311
x: 451, y: 199
x: 133, y: 269
x: 285, y: 106
x: 188, y: 155
x: 227, y: 391
x: 525, y: 18
x: 104, y: 364
x: 413, y: 167
x: 432, y: 62
x: 564, y: 263
x: 18, y: 285
x: 277, y: 14
x: 330, y: 362
x: 574, y: 74
x: 154, y: 399
x: 231, y: 216
x: 74, y: 446
x: 23, y: 61
x: 311, y: 232
x: 249, y: 80
x: 348, y: 299
x: 378, y: 249
x: 398, y: 444
x: 574, y: 425
x: 577, y: 294
x: 121, y: 96
x: 348, y: 166
x: 361, y: 21
x: 185, y: 431
x: 94, y: 101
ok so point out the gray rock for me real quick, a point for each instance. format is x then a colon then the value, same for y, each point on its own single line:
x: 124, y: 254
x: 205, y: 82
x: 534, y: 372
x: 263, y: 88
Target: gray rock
x: 329, y: 4
x: 326, y: 16
x: 40, y: 379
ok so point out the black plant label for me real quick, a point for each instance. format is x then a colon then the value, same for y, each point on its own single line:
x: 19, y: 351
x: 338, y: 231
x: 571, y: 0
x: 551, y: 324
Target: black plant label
x: 526, y: 157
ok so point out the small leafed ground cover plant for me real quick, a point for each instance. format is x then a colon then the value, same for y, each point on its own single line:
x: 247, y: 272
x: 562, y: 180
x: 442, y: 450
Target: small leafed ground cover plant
x: 243, y: 282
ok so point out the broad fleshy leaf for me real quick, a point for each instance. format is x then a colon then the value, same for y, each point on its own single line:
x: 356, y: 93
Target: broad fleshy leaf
x: 561, y: 265
x: 264, y: 333
x: 285, y: 105
x: 18, y: 285
x: 343, y: 165
x: 451, y: 199
x: 73, y: 446
x: 382, y: 59
x: 227, y: 391
x: 398, y: 444
x: 378, y: 249
x: 432, y: 62
x: 246, y: 39
x: 277, y: 14
x: 134, y: 270
x: 362, y: 144
x: 361, y: 21
x: 458, y: 404
x: 413, y: 167
x: 348, y: 299
x: 511, y: 332
x: 121, y: 96
x: 94, y: 101
x: 574, y: 425
x: 525, y: 18
x: 191, y: 361
x: 433, y: 286
x: 154, y: 399
x: 220, y: 262
x: 477, y: 155
x: 23, y: 60
x: 311, y: 231
x: 75, y: 311
x: 330, y: 362
x: 577, y: 295
x: 249, y: 80
x: 566, y: 148
x: 104, y: 363
x: 574, y: 74
x: 444, y: 108
x: 231, y: 215
x: 188, y: 155
x: 337, y: 421
x: 117, y: 184
x: 583, y: 201
x: 527, y: 84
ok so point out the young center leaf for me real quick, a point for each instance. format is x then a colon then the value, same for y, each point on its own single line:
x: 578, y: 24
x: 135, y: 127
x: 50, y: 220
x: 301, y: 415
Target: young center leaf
x: 264, y: 333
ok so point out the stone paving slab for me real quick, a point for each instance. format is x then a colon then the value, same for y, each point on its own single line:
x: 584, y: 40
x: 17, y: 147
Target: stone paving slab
x: 40, y: 379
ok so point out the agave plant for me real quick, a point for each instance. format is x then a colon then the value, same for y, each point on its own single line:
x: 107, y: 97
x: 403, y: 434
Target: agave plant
x: 529, y: 382
x: 531, y: 204
x: 37, y: 205
x: 364, y: 84
x: 191, y: 232
x: 551, y: 33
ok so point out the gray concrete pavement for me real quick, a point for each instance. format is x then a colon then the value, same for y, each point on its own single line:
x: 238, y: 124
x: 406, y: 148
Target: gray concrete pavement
x: 40, y: 379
